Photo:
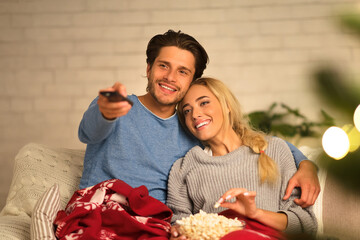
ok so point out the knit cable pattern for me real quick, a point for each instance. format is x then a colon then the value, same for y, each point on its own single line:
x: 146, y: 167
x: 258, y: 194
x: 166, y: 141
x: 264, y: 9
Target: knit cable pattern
x: 37, y: 167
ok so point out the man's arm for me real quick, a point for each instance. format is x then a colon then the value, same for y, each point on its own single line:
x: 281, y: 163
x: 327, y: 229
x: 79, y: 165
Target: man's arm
x: 297, y: 154
x: 99, y: 119
x: 306, y: 178
x: 94, y: 127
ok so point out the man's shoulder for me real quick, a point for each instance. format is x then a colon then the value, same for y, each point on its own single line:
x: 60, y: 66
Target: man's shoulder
x: 276, y: 141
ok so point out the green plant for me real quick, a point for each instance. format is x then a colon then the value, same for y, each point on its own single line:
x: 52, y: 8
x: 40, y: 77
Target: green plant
x: 287, y: 122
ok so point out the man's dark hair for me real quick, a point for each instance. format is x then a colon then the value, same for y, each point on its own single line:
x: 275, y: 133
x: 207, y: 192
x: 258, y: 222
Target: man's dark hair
x: 182, y: 41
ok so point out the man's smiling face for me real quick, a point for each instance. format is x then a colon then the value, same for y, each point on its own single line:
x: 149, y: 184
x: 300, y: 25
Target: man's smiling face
x: 170, y: 75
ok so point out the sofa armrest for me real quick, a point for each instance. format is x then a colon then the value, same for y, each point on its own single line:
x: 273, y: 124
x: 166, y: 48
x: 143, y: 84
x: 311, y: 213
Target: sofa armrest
x: 314, y: 154
x: 337, y: 207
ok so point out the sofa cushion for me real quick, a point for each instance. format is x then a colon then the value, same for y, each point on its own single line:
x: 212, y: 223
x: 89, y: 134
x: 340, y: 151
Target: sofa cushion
x: 44, y: 214
x: 37, y: 168
x: 15, y: 227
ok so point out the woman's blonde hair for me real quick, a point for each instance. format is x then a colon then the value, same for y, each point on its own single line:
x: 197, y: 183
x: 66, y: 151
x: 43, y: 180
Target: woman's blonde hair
x: 239, y: 122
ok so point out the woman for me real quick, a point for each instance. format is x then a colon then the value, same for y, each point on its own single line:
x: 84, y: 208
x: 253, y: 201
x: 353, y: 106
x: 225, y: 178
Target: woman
x: 237, y: 162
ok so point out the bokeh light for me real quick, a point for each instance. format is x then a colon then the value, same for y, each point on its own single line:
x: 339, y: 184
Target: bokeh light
x: 335, y: 143
x: 357, y: 118
x: 353, y: 135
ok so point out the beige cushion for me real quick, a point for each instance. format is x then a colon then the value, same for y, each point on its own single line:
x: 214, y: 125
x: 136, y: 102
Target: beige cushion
x: 15, y: 227
x: 37, y: 168
x: 44, y: 214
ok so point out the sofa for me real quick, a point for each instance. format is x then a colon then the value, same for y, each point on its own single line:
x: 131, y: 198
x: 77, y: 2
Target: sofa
x: 45, y: 178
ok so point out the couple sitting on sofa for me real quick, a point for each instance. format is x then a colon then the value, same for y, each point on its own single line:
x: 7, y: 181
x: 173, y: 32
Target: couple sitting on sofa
x: 139, y: 144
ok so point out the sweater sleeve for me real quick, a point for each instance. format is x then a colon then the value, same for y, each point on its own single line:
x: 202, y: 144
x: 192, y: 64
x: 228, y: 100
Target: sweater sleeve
x: 94, y: 127
x: 299, y: 219
x: 178, y: 199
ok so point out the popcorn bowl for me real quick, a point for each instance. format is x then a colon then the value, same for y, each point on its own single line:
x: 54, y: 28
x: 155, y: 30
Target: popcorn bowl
x: 204, y: 226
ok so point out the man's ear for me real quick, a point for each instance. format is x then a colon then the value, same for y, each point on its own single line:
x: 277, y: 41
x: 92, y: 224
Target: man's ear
x: 148, y: 69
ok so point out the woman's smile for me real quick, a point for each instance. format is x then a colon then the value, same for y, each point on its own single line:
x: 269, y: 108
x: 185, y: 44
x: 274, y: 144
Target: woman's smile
x: 200, y: 124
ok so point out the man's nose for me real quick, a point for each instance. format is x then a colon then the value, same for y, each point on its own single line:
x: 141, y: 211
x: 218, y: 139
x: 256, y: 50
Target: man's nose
x: 171, y: 75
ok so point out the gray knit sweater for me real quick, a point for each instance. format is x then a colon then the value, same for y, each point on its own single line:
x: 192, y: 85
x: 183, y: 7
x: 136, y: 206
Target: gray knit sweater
x: 198, y: 180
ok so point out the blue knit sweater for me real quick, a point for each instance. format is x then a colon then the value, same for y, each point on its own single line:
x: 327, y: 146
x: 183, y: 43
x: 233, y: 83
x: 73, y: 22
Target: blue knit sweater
x: 138, y: 148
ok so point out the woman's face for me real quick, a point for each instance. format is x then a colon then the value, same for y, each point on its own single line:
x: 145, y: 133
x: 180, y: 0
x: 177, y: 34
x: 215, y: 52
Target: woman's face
x: 203, y: 113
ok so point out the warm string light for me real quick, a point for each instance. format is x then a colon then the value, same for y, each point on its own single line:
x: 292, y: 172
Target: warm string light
x: 338, y: 142
x: 357, y: 118
x: 353, y: 135
x: 335, y: 142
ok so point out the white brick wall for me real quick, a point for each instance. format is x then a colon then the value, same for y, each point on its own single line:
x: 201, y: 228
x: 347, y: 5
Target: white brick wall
x: 56, y: 55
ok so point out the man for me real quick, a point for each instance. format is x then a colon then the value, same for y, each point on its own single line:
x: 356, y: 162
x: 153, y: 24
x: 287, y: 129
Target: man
x: 138, y: 144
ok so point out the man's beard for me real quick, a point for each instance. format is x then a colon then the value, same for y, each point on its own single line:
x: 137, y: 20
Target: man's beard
x: 151, y: 89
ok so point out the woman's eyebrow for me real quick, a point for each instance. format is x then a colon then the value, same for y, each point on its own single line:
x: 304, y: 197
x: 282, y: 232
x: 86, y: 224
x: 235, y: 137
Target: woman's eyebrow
x: 199, y: 98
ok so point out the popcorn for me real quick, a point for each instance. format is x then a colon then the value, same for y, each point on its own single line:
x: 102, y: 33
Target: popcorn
x: 217, y: 205
x: 208, y: 226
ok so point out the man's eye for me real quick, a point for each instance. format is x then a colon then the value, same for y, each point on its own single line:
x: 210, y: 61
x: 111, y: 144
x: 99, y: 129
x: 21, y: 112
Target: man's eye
x: 183, y: 72
x: 162, y: 65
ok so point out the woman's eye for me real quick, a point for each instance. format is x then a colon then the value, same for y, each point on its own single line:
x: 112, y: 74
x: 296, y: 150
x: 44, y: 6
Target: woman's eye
x: 204, y: 103
x: 186, y: 111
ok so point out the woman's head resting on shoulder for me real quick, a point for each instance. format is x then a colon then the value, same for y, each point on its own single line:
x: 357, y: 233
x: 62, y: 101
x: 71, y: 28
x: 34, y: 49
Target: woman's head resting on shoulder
x: 209, y: 110
x: 210, y: 104
x: 204, y: 110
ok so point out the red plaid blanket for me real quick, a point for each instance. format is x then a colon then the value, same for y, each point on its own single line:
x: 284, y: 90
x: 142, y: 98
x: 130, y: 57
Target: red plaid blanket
x: 113, y: 210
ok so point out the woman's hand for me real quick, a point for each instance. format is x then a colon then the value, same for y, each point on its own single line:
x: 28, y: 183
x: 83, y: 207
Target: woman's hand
x: 175, y: 234
x: 244, y: 204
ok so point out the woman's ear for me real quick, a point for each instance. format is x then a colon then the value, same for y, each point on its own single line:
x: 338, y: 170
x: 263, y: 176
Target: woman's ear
x: 228, y: 109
